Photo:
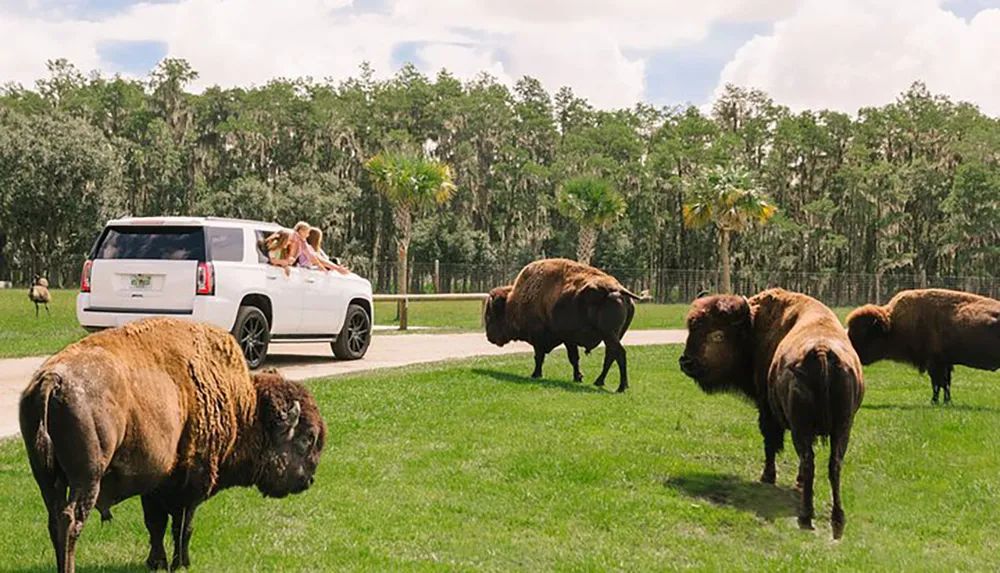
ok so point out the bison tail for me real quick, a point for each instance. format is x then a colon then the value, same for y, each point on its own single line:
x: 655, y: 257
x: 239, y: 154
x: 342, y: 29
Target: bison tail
x: 43, y: 441
x: 819, y: 364
x: 630, y: 294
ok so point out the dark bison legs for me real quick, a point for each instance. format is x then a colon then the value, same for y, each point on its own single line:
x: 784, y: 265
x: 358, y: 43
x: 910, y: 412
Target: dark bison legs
x: 181, y: 530
x: 573, y: 353
x: 614, y: 351
x: 774, y: 442
x: 82, y: 498
x: 539, y: 360
x: 838, y: 448
x: 155, y: 517
x: 941, y: 378
x: 807, y: 472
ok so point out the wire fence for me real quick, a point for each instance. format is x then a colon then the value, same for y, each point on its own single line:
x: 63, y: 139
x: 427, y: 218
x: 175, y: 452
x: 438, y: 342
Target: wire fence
x: 663, y: 285
x: 682, y: 285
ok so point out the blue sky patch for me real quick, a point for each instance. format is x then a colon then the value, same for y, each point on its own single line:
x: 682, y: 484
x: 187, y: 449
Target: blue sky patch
x: 690, y: 74
x: 967, y: 9
x: 135, y: 58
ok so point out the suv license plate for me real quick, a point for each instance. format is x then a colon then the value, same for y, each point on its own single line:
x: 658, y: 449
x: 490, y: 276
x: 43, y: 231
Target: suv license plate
x: 141, y: 281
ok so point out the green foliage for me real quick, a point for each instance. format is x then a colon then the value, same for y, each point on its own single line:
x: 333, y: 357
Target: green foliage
x: 727, y: 198
x: 888, y: 192
x: 409, y: 181
x: 590, y: 202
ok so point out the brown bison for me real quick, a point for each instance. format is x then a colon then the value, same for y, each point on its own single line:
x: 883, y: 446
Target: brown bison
x: 789, y: 354
x: 932, y: 329
x: 167, y: 410
x: 558, y: 301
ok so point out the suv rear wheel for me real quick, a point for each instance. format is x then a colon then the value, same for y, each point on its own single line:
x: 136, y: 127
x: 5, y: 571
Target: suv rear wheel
x: 253, y: 334
x: 355, y: 336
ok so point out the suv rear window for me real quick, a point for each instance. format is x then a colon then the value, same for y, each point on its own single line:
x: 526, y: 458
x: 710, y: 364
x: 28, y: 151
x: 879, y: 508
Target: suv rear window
x: 152, y: 242
x: 225, y: 243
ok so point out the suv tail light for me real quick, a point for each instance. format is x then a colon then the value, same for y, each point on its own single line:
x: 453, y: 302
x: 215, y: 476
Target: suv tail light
x: 206, y: 279
x: 85, y: 276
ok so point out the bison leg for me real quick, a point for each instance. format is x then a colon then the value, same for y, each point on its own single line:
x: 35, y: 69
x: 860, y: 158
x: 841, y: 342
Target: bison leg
x: 940, y: 378
x: 539, y: 359
x: 181, y: 530
x: 774, y: 442
x: 81, y: 500
x: 573, y: 353
x: 155, y: 517
x: 838, y: 447
x: 47, y: 311
x: 807, y: 471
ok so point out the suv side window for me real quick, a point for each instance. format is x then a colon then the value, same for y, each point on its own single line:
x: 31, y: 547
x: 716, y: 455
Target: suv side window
x: 259, y: 236
x: 225, y: 243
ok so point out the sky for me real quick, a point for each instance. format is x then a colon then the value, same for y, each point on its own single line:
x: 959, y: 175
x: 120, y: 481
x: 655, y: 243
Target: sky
x: 833, y: 54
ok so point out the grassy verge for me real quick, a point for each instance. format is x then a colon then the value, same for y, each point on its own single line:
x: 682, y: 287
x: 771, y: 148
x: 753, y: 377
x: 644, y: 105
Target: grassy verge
x: 471, y: 466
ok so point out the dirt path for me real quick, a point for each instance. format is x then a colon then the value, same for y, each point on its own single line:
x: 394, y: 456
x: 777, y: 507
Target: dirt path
x: 303, y: 361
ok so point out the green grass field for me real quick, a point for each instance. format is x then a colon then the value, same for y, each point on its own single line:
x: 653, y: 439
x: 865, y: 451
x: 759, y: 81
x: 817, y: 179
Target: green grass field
x: 471, y: 466
x: 22, y: 335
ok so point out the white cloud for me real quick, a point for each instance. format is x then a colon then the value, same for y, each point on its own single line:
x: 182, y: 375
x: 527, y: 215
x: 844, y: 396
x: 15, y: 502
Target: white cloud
x: 852, y: 53
x: 580, y: 43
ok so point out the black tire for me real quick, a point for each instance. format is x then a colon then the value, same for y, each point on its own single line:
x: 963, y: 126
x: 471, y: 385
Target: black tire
x: 253, y: 334
x: 355, y: 336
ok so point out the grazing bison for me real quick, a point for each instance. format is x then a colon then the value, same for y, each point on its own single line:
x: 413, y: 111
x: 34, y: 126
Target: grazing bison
x: 166, y: 410
x: 932, y: 329
x: 789, y: 354
x: 558, y: 301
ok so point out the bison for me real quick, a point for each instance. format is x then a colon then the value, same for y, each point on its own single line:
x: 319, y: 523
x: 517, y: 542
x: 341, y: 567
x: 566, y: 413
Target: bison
x: 789, y: 354
x: 166, y: 410
x: 932, y: 329
x: 558, y: 301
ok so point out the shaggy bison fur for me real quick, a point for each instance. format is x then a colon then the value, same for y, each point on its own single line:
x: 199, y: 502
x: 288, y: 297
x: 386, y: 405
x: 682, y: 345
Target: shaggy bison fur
x: 789, y: 354
x: 558, y: 301
x: 932, y: 329
x: 166, y: 410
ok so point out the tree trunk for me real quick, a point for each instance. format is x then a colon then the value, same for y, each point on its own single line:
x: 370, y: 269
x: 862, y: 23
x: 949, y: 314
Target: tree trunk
x: 727, y: 284
x: 586, y: 244
x: 403, y: 227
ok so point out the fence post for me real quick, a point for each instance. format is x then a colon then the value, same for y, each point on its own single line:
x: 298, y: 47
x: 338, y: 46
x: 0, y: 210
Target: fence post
x: 482, y: 313
x: 437, y: 276
x: 403, y: 311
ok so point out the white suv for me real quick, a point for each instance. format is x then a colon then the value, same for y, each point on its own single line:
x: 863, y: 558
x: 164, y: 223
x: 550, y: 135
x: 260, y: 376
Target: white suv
x: 212, y: 270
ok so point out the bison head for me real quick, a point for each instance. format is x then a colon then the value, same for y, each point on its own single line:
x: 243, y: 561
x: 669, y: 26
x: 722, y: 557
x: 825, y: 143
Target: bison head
x: 868, y: 329
x: 294, y: 434
x: 495, y: 316
x: 719, y: 350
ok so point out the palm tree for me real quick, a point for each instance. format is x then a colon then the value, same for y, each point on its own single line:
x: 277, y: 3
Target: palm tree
x: 594, y: 205
x: 412, y: 184
x: 726, y: 197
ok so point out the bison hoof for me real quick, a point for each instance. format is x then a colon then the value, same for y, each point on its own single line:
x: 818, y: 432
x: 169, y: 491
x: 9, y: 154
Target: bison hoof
x: 157, y: 563
x: 622, y: 388
x: 536, y: 374
x: 598, y: 382
x: 806, y: 523
x: 180, y: 563
x: 578, y: 377
x: 838, y: 522
x: 768, y: 477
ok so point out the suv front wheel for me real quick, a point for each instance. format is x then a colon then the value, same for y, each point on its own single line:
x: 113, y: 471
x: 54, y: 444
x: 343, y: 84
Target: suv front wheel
x: 253, y: 335
x: 355, y: 336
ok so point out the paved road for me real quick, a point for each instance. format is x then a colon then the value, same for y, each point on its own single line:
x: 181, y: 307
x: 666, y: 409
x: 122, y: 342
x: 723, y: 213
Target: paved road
x: 303, y: 361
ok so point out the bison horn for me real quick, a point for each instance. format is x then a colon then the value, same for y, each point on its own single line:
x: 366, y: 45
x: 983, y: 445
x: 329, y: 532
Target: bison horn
x: 293, y: 415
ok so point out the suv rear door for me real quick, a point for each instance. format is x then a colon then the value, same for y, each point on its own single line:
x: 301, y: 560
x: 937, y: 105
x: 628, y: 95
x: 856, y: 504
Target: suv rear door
x: 147, y: 268
x: 287, y: 293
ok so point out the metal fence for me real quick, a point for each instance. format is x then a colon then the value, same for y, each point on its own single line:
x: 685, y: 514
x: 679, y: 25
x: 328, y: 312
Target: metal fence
x: 682, y: 286
x: 663, y: 285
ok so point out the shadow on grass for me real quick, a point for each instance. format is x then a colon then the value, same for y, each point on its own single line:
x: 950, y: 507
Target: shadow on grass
x: 767, y: 501
x: 561, y: 385
x: 930, y: 406
x: 138, y: 566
